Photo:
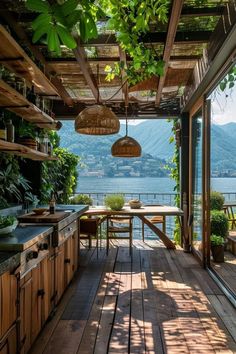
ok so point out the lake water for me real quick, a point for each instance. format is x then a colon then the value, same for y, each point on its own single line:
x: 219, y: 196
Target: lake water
x: 144, y: 185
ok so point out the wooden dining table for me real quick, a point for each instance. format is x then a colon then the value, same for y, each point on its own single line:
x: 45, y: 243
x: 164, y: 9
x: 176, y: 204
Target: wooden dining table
x: 142, y: 213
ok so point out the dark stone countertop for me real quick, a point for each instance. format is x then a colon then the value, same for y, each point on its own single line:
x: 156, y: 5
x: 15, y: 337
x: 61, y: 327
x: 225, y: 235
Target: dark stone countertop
x: 23, y: 237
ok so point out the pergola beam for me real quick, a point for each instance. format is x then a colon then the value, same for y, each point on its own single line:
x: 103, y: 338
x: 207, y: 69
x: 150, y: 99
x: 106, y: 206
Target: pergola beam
x: 81, y: 58
x: 170, y: 38
x: 186, y: 37
x: 38, y: 55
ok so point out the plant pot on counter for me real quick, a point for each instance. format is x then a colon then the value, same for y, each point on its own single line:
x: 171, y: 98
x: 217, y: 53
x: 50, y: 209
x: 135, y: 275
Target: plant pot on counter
x: 217, y: 252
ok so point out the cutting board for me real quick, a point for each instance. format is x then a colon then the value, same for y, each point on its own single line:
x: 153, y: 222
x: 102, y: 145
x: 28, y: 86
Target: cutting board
x: 46, y: 217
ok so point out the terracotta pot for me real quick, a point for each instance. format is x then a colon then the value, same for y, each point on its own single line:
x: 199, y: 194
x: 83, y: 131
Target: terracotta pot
x: 217, y: 253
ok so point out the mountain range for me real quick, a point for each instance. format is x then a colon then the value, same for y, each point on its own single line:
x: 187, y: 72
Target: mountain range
x: 153, y: 135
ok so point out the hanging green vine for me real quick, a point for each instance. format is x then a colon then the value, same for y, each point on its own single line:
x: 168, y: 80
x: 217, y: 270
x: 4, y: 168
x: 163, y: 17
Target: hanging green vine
x: 175, y: 175
x: 56, y: 22
x: 131, y: 20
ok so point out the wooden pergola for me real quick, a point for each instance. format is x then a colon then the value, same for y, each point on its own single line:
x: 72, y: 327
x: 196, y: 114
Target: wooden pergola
x: 188, y: 44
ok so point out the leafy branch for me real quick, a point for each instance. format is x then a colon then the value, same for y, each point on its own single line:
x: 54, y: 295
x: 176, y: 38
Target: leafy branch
x: 56, y: 22
x: 229, y: 80
x: 131, y: 20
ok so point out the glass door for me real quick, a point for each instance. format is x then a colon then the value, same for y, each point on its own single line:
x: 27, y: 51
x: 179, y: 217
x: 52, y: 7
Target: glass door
x: 197, y: 183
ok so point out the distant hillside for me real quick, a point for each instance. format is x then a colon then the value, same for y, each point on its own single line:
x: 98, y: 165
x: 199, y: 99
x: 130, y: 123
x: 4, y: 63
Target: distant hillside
x: 153, y: 135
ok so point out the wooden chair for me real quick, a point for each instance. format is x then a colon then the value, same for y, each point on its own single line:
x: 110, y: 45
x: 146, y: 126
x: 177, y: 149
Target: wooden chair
x: 229, y: 212
x: 157, y: 219
x: 117, y: 225
x: 89, y: 229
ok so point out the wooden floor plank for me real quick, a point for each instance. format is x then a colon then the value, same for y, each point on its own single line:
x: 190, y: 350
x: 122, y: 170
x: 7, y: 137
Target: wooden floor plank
x: 155, y: 301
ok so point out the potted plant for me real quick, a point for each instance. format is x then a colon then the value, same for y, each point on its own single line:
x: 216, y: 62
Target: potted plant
x: 7, y: 224
x: 114, y: 201
x: 219, y: 223
x: 217, y: 248
x: 27, y: 135
x: 216, y: 200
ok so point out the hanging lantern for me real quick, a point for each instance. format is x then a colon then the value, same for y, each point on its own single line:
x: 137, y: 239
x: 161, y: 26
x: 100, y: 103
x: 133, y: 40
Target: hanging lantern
x: 97, y: 120
x: 126, y: 146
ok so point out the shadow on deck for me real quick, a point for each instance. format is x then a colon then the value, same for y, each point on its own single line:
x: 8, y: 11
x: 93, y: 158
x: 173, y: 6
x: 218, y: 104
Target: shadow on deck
x: 158, y: 301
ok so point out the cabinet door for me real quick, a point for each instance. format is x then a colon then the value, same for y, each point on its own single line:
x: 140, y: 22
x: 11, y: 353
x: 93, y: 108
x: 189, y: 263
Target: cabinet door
x: 75, y: 248
x: 8, y: 303
x: 47, y: 287
x: 69, y: 259
x: 59, y: 272
x: 25, y: 313
x: 36, y: 311
x: 8, y: 345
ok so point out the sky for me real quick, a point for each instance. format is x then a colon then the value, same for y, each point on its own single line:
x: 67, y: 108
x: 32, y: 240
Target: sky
x: 223, y: 106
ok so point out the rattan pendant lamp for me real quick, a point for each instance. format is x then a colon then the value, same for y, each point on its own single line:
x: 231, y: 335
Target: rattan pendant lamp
x: 126, y: 146
x: 97, y: 120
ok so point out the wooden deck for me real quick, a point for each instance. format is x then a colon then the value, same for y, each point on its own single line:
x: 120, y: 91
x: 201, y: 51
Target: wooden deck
x: 160, y: 301
x: 227, y: 270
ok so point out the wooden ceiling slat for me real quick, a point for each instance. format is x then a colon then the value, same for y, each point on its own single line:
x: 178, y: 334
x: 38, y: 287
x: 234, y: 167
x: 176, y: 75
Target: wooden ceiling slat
x: 172, y: 28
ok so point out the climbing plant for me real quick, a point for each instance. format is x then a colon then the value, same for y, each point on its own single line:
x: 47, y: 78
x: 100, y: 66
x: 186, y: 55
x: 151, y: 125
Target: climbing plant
x: 58, y: 19
x: 131, y: 20
x: 59, y: 177
x: 174, y: 168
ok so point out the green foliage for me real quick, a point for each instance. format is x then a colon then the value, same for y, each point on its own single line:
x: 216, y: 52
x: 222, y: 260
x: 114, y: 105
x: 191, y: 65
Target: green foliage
x: 59, y: 176
x: 81, y: 199
x: 56, y: 22
x: 175, y: 175
x: 6, y: 221
x: 131, y: 21
x: 217, y: 240
x: 229, y: 79
x: 27, y: 129
x: 216, y: 200
x: 114, y: 201
x: 219, y: 223
x: 12, y: 184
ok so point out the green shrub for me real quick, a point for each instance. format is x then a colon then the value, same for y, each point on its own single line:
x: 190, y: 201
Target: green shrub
x: 217, y: 240
x: 219, y: 223
x: 81, y: 199
x: 216, y: 200
x: 114, y: 201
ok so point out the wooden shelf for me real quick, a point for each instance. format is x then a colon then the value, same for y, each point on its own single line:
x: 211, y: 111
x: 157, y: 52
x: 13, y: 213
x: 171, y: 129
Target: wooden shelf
x: 24, y: 151
x: 13, y: 101
x: 16, y: 60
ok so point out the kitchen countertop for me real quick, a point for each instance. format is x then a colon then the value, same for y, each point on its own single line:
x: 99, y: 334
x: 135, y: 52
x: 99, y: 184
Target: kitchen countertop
x: 23, y: 237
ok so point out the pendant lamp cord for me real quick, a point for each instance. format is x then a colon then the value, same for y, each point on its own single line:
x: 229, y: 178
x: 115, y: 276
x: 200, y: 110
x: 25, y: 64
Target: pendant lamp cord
x: 126, y: 120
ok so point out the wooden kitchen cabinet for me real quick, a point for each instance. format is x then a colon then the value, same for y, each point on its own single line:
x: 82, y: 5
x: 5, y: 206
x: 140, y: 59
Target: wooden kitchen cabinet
x: 36, y: 301
x: 71, y: 257
x: 59, y: 272
x: 8, y: 311
x: 8, y: 344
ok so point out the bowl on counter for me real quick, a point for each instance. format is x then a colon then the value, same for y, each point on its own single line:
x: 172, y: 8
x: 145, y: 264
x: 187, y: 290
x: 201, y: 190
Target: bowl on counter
x: 135, y: 204
x: 8, y: 229
x: 39, y: 211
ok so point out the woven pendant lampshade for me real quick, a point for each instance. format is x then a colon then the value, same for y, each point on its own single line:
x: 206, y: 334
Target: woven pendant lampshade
x: 97, y: 120
x: 126, y: 147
